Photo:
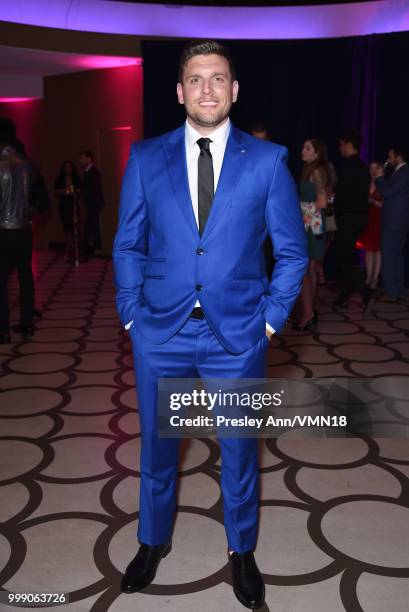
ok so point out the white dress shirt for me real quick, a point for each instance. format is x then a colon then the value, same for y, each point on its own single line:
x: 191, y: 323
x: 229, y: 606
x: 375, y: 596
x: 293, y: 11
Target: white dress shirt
x: 217, y: 148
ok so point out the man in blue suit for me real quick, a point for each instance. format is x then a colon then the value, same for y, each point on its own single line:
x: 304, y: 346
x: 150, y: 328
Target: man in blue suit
x: 196, y: 206
x: 394, y: 223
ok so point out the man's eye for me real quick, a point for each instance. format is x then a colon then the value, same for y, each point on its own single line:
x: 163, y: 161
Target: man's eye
x: 194, y: 80
x: 219, y: 78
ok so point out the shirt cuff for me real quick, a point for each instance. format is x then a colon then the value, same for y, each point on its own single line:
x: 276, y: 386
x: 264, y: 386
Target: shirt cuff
x: 128, y: 325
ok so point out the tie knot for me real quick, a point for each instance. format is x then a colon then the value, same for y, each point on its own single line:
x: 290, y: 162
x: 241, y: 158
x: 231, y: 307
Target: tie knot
x: 204, y: 144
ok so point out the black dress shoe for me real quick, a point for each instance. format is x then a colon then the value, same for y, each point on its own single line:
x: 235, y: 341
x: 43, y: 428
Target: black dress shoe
x: 5, y: 336
x: 25, y: 330
x: 142, y: 569
x: 248, y: 585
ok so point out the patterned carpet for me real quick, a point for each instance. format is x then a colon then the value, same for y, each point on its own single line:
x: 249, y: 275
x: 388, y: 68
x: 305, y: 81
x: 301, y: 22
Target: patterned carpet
x: 334, y: 514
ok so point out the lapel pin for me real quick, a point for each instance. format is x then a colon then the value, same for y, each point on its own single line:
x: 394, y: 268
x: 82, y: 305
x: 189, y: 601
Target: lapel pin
x: 243, y: 151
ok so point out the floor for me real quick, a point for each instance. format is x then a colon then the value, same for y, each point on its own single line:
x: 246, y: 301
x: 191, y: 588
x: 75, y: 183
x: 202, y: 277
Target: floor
x: 334, y: 513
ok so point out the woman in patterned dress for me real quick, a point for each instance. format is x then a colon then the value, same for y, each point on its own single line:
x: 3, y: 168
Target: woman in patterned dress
x: 313, y: 191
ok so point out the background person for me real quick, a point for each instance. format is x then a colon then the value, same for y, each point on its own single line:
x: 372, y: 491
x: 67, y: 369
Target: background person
x: 394, y: 222
x: 313, y: 197
x: 17, y: 176
x: 371, y: 238
x: 351, y: 213
x: 67, y: 185
x: 94, y: 203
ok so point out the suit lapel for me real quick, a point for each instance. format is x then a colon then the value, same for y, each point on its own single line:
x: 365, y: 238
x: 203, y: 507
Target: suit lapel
x: 177, y: 167
x: 233, y: 165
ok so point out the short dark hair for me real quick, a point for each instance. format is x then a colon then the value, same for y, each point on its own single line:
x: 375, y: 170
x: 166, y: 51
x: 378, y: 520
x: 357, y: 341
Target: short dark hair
x: 204, y: 47
x: 400, y: 151
x: 87, y: 153
x: 259, y: 127
x: 352, y: 136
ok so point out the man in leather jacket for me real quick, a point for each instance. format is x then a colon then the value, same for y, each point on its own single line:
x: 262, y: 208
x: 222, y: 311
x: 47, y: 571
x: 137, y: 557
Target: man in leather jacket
x: 17, y: 176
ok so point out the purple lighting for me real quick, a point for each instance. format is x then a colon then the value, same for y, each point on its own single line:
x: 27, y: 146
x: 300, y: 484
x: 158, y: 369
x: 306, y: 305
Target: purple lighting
x: 293, y: 22
x: 91, y: 62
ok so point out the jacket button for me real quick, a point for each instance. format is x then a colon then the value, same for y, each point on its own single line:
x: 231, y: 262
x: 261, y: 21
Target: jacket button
x: 199, y: 287
x: 199, y: 251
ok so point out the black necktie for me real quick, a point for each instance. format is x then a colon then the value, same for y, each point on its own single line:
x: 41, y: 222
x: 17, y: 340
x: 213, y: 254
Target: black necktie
x: 205, y: 182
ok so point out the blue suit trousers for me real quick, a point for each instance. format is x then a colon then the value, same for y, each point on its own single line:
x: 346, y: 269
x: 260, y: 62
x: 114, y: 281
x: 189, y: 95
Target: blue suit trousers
x: 194, y: 352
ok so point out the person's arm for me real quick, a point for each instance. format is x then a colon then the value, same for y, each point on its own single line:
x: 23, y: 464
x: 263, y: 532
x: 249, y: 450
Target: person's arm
x: 375, y: 202
x: 388, y: 188
x: 320, y: 187
x: 130, y: 246
x: 286, y: 229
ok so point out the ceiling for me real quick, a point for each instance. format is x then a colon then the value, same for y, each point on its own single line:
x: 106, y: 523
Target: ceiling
x: 243, y: 2
x: 22, y: 69
x: 277, y: 22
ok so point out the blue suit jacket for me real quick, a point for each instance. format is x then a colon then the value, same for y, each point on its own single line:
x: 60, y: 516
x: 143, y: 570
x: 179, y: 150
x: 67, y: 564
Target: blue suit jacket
x: 395, y: 191
x: 162, y: 265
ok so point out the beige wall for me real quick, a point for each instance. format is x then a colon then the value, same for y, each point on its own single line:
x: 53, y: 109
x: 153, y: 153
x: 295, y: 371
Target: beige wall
x: 84, y: 111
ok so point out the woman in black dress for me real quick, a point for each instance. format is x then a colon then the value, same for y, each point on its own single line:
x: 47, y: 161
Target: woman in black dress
x: 66, y: 187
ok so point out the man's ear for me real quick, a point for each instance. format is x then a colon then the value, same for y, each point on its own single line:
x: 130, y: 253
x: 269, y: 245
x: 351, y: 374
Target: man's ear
x: 179, y: 92
x: 235, y: 90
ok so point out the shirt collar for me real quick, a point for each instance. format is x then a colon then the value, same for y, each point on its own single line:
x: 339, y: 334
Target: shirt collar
x: 400, y: 166
x: 218, y: 137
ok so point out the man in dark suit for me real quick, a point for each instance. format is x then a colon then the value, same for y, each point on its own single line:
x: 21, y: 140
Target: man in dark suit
x: 196, y: 206
x: 394, y: 222
x: 351, y: 207
x: 17, y: 180
x: 94, y: 202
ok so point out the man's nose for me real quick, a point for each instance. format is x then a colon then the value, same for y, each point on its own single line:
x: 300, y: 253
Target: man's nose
x: 207, y: 86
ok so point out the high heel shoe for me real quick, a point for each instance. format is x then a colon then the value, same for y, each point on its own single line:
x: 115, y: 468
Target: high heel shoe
x: 308, y: 325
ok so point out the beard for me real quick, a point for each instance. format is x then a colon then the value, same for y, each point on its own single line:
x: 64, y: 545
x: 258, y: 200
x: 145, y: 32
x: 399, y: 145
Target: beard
x: 208, y: 119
